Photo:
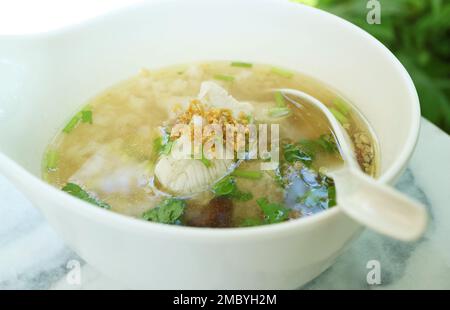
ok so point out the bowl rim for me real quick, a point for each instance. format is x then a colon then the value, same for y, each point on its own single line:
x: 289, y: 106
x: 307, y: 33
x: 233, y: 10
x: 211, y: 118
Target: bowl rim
x: 25, y: 179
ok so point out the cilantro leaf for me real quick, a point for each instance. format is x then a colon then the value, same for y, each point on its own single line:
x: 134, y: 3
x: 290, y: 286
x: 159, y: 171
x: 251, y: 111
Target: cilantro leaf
x: 273, y: 212
x: 248, y: 222
x: 241, y: 196
x: 76, y: 191
x: 306, y: 150
x: 321, y: 191
x: 296, y: 152
x: 227, y: 187
x: 325, y: 143
x: 162, y: 145
x: 168, y: 211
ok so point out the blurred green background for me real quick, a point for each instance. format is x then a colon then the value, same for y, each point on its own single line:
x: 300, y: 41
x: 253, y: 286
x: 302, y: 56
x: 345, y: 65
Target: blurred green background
x: 418, y: 33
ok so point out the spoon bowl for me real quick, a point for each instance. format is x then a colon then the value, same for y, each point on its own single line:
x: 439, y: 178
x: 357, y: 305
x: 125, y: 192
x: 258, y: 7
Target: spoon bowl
x: 377, y: 206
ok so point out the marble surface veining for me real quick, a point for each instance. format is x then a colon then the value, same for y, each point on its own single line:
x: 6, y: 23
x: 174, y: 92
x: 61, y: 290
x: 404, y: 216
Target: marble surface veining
x: 32, y: 256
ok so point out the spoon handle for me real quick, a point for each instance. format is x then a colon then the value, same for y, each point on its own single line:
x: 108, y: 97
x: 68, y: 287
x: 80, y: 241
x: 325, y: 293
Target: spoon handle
x: 379, y: 206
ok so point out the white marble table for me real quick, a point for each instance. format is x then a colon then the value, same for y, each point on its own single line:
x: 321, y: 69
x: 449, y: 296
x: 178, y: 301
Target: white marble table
x: 32, y: 256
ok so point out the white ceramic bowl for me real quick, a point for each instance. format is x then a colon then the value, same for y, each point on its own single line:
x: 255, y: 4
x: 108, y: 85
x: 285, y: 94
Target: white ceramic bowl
x: 45, y: 78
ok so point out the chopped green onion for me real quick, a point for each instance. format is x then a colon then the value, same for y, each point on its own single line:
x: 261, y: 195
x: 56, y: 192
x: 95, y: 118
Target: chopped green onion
x: 51, y: 159
x: 331, y: 196
x: 72, y: 123
x: 279, y: 112
x: 339, y: 116
x: 341, y: 105
x: 223, y: 77
x: 282, y: 72
x: 248, y: 174
x: 86, y: 116
x: 241, y: 64
x: 279, y: 99
x: 206, y: 162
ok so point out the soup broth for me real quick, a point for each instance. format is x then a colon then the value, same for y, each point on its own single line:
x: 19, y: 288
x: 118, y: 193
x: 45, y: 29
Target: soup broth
x: 115, y: 152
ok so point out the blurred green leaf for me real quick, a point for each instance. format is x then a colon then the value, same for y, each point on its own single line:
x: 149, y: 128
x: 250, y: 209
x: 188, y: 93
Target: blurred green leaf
x: 418, y: 33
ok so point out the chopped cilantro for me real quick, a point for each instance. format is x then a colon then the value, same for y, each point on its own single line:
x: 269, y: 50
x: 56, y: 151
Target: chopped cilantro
x: 248, y: 222
x: 279, y: 179
x: 241, y: 196
x: 325, y: 143
x: 227, y: 187
x: 273, y: 212
x: 321, y: 191
x: 168, y: 211
x: 296, y: 152
x: 76, y: 191
x: 162, y: 145
x: 305, y: 151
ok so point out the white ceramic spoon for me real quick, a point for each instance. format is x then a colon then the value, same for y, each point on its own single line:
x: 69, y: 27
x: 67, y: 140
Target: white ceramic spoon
x: 367, y: 201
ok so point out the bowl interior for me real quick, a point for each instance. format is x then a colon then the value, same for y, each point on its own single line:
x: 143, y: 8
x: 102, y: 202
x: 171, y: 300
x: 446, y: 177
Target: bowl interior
x: 44, y: 79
